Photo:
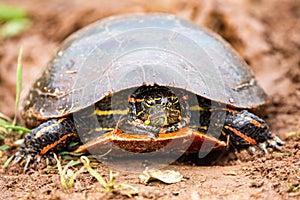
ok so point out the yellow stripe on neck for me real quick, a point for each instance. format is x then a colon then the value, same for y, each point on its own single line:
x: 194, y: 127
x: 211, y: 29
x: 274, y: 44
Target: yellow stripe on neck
x: 196, y: 107
x: 110, y: 112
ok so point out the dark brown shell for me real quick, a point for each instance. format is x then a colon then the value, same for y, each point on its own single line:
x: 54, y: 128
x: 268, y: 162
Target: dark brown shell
x: 128, y: 51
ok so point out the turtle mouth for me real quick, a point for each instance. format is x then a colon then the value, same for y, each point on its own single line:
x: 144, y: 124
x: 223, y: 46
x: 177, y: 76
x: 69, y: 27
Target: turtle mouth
x: 164, y: 118
x: 158, y: 116
x: 159, y: 119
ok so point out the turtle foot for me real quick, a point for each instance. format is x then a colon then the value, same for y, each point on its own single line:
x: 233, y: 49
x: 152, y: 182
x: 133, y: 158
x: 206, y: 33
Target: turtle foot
x: 273, y: 142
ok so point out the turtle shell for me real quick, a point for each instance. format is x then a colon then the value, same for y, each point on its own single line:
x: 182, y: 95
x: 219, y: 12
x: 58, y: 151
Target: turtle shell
x: 128, y: 51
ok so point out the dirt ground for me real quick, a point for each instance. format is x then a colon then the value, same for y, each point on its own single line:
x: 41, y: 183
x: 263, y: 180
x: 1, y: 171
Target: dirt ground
x: 266, y: 34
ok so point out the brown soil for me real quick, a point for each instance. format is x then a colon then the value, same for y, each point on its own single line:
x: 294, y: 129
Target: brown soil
x: 265, y: 33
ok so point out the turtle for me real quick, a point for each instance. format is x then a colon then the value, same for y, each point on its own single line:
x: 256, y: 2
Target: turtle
x: 144, y: 82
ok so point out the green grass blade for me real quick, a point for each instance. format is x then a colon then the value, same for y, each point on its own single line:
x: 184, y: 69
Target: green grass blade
x: 18, y: 128
x: 112, y: 179
x: 14, y: 27
x: 8, y: 12
x: 18, y: 85
x: 4, y: 147
x: 3, y: 122
x: 86, y: 163
x: 74, y: 163
x: 62, y: 177
x: 132, y: 190
x: 296, y: 187
x: 3, y: 131
x: 4, y: 118
x: 74, y: 175
x: 71, y: 154
x: 8, y: 161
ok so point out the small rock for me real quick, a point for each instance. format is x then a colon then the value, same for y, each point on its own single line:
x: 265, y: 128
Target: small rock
x: 256, y: 183
x: 230, y: 173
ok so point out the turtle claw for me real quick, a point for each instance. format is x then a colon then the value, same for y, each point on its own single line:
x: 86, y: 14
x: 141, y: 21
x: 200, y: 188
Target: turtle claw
x: 50, y: 159
x: 18, y: 158
x: 273, y: 142
x: 24, y: 156
x: 263, y: 146
x: 251, y: 150
x: 28, y: 161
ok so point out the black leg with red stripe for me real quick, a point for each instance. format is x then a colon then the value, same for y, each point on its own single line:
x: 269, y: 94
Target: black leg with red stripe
x: 244, y: 128
x: 45, y: 138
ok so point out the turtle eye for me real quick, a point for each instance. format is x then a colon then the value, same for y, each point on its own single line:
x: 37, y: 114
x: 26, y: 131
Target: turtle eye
x: 173, y: 99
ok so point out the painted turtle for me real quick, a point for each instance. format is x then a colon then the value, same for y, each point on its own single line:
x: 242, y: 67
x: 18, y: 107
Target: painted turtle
x: 141, y: 81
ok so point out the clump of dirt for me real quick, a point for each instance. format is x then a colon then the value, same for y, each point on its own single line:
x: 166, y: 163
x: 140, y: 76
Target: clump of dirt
x: 265, y: 33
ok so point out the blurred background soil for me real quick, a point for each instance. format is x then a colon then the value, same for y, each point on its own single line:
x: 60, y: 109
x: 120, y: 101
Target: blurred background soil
x: 266, y: 34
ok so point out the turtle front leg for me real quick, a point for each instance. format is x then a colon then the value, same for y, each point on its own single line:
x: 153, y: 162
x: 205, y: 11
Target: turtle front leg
x: 248, y: 130
x: 45, y: 138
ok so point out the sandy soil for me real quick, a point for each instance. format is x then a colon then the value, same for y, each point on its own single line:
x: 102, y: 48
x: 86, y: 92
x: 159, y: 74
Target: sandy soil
x: 265, y: 33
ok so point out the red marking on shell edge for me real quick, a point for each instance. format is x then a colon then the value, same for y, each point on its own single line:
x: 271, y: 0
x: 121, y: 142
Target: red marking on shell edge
x: 185, y: 97
x: 131, y: 99
x: 130, y: 140
x: 117, y: 131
